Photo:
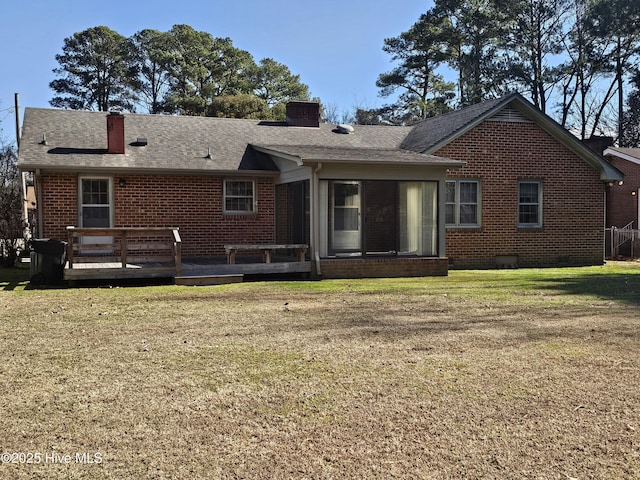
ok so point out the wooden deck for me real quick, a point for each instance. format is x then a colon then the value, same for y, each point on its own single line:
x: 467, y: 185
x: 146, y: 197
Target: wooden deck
x: 214, y: 271
x: 113, y: 253
x: 249, y: 265
x: 267, y: 250
x: 139, y: 253
x: 115, y: 270
x: 202, y: 270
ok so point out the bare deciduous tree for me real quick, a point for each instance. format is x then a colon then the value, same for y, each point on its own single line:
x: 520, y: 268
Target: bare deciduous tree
x: 11, y: 223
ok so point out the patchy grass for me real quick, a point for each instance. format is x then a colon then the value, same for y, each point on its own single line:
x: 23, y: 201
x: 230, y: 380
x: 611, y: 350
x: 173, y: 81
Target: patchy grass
x: 482, y: 374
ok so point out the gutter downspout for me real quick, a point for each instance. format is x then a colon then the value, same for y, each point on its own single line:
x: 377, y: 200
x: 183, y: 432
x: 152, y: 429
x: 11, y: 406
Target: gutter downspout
x: 26, y: 225
x: 442, y: 227
x: 39, y: 202
x: 315, y: 221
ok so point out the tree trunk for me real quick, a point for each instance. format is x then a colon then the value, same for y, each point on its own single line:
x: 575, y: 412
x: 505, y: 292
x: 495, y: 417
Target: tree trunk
x: 619, y: 74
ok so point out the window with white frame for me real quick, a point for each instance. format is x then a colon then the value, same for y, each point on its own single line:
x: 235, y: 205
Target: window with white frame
x: 462, y: 203
x: 95, y: 202
x: 239, y: 196
x: 529, y: 204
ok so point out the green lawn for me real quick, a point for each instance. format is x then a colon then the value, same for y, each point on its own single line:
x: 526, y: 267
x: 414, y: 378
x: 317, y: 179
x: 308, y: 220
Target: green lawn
x: 481, y: 374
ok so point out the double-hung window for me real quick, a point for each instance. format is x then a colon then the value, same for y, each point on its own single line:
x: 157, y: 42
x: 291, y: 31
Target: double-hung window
x: 462, y: 200
x: 95, y: 210
x: 529, y: 204
x: 95, y: 202
x: 239, y: 196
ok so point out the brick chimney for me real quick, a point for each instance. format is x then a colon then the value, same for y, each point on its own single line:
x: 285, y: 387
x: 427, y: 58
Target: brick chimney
x: 303, y: 114
x: 115, y: 133
x: 598, y: 143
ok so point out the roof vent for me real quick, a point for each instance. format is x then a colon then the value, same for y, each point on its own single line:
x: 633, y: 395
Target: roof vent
x: 344, y: 128
x: 509, y: 114
x: 140, y: 142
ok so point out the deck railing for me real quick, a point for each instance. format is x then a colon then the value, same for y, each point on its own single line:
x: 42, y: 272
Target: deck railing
x: 156, y: 251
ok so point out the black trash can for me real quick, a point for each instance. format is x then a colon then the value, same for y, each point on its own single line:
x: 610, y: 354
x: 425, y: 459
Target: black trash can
x: 48, y: 257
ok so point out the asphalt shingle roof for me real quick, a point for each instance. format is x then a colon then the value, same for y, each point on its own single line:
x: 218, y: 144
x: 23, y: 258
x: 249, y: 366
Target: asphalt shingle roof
x: 78, y: 140
x: 355, y: 155
x: 431, y: 132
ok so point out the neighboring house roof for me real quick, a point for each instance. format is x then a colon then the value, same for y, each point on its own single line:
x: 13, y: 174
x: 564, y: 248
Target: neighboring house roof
x: 434, y: 133
x: 630, y: 154
x: 77, y: 140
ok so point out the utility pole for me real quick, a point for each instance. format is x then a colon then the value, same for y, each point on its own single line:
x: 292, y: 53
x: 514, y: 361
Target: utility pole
x: 17, y: 102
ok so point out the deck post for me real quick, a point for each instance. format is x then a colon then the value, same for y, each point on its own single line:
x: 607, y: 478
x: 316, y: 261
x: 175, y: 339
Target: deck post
x: 177, y: 246
x: 70, y: 237
x: 123, y: 248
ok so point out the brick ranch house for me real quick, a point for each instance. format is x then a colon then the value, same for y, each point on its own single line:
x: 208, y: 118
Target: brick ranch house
x: 530, y: 194
x: 495, y: 182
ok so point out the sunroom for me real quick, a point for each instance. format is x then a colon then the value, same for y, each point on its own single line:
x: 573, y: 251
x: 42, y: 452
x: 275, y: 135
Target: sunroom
x: 378, y: 218
x: 364, y: 212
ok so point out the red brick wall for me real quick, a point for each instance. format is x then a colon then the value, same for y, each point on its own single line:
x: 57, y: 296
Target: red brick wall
x: 383, y: 267
x: 282, y: 214
x: 500, y: 154
x: 622, y: 206
x: 194, y: 204
x: 58, y: 205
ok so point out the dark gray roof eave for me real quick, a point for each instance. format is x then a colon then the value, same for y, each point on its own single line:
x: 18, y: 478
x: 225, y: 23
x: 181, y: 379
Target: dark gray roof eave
x: 304, y: 155
x: 34, y: 167
x: 450, y: 164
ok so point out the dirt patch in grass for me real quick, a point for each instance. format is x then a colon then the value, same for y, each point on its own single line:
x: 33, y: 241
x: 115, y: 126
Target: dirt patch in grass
x: 503, y: 374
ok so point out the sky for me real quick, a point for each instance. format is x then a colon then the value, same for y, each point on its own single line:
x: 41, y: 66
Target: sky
x: 335, y: 46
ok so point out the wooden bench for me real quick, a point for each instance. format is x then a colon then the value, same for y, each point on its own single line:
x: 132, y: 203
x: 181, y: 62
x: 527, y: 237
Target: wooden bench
x: 267, y: 250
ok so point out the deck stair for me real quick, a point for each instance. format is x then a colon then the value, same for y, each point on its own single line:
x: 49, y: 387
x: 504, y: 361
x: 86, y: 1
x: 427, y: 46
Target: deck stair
x: 207, y: 280
x: 620, y: 236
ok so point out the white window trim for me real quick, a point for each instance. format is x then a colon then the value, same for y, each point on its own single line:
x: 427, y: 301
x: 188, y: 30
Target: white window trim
x: 538, y: 224
x: 457, y: 223
x: 109, y: 180
x: 239, y: 212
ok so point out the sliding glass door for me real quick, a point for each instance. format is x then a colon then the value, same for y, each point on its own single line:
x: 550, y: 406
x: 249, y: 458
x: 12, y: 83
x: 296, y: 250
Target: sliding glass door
x: 394, y: 217
x: 346, y: 225
x: 419, y: 218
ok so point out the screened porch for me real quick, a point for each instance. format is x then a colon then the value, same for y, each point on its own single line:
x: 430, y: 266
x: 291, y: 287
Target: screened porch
x: 363, y: 218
